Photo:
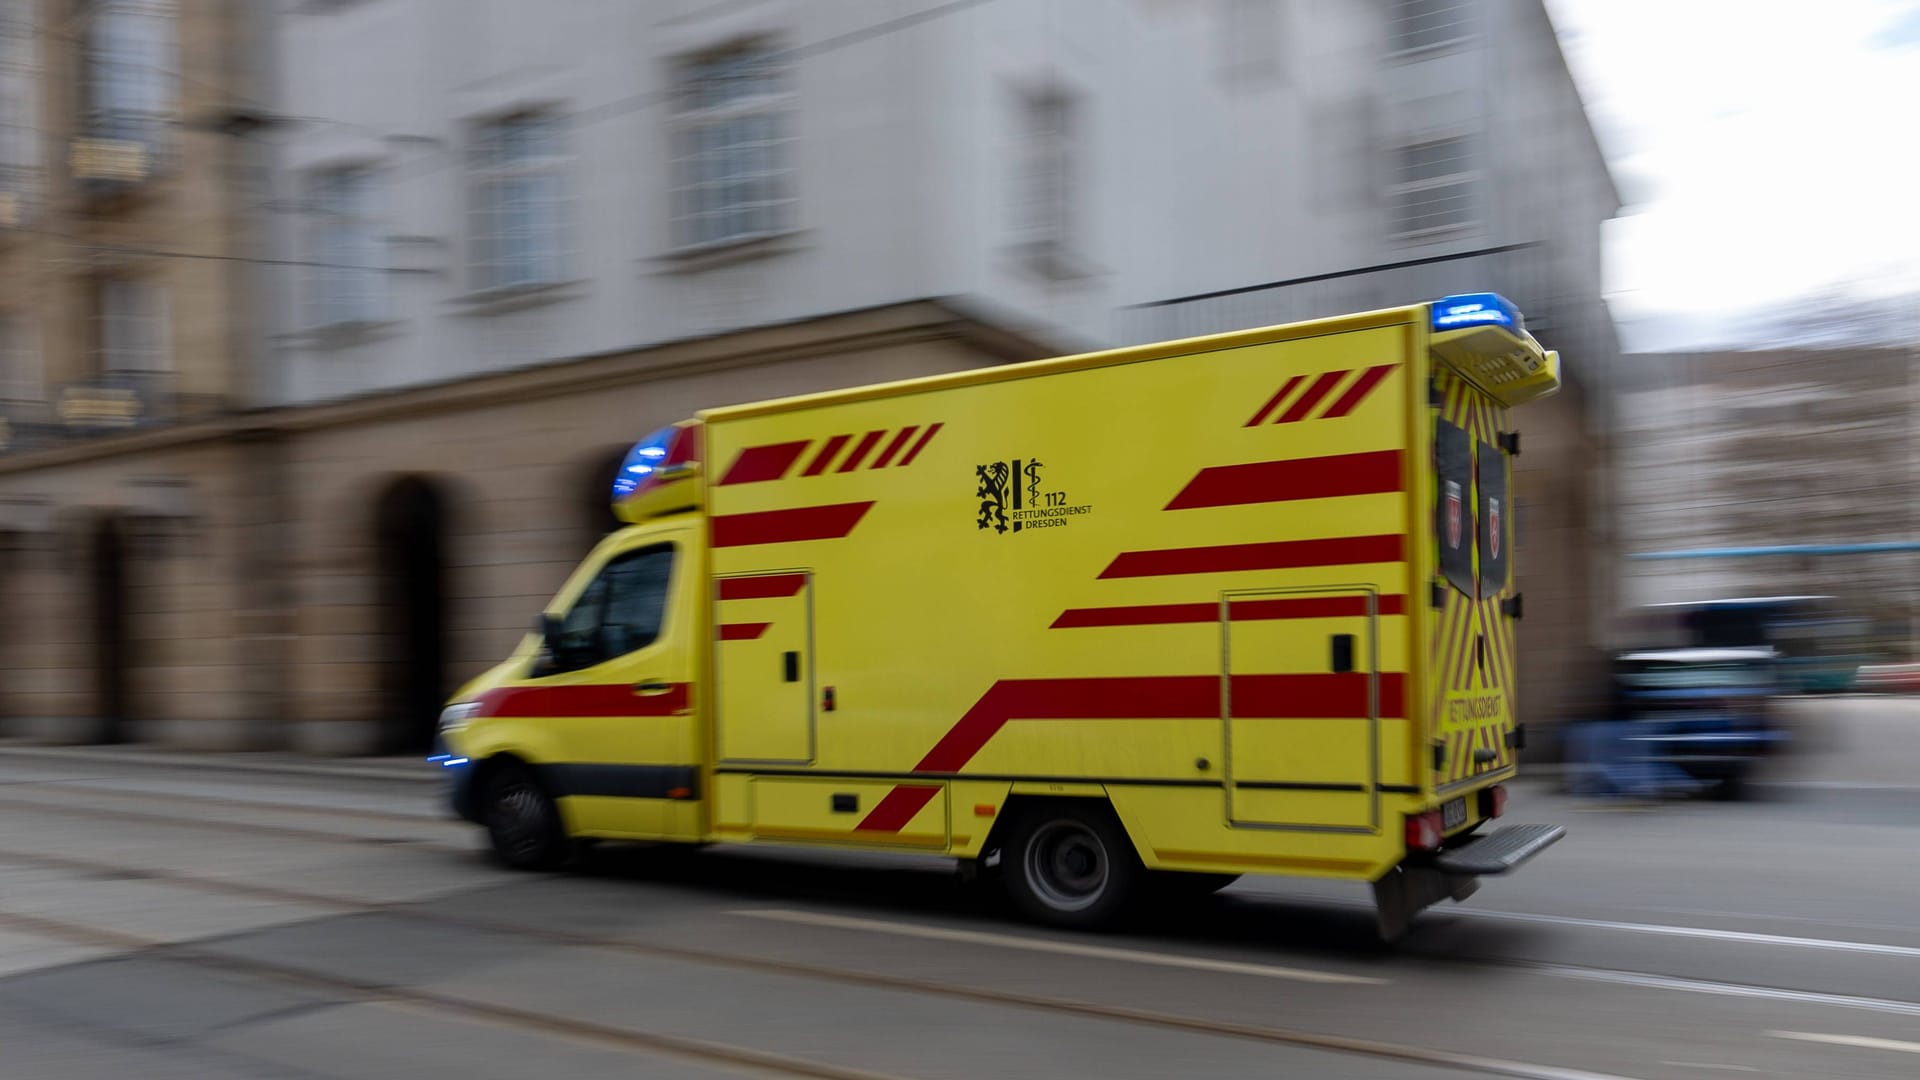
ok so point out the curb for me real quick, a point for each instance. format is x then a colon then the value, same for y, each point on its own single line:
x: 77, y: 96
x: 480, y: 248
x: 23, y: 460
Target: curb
x: 401, y: 771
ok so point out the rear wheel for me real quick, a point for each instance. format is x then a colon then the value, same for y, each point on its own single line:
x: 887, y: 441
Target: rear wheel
x: 1070, y: 865
x: 523, y: 823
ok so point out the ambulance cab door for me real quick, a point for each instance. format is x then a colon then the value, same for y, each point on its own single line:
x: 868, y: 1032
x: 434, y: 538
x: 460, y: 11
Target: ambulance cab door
x: 1302, y: 701
x: 763, y: 668
x: 615, y: 687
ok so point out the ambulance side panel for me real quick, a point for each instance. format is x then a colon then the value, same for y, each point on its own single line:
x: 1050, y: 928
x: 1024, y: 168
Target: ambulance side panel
x: 1187, y: 579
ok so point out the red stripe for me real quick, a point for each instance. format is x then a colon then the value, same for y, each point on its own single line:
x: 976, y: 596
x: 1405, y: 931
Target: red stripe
x: 760, y: 586
x: 1306, y: 607
x: 1159, y: 697
x: 860, y: 451
x: 1358, y: 392
x: 1274, y: 402
x: 1275, y: 555
x: 1372, y: 473
x: 1321, y: 387
x: 898, y: 444
x: 825, y: 457
x: 742, y: 631
x: 759, y: 463
x: 615, y: 699
x: 892, y: 812
x: 921, y: 445
x: 788, y: 526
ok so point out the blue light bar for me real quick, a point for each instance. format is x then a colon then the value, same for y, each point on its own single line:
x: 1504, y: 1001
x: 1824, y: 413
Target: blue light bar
x: 451, y: 763
x: 645, y: 457
x: 1474, y: 309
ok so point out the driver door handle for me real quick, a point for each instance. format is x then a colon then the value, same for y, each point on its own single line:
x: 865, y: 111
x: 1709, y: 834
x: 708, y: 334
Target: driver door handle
x: 652, y: 689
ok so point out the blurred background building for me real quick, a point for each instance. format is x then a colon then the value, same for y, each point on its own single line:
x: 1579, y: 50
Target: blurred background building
x: 498, y: 241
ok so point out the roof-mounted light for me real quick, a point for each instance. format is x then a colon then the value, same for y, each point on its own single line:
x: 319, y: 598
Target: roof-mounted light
x: 646, y: 456
x: 1475, y: 309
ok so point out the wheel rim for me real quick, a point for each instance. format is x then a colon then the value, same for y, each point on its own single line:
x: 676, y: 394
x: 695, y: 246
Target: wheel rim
x: 1067, y: 866
x: 519, y: 814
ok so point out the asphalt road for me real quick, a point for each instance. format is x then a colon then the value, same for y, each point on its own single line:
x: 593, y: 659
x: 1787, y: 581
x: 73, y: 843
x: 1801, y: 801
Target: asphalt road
x: 170, y: 920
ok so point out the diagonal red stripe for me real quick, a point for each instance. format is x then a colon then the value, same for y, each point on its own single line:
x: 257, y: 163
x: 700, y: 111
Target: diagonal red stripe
x: 826, y: 455
x: 787, y: 526
x: 1358, y: 392
x: 760, y: 586
x: 758, y: 463
x: 597, y: 699
x: 742, y: 631
x: 1274, y: 401
x: 860, y: 451
x: 898, y: 444
x: 1334, y: 476
x: 1274, y: 555
x: 897, y: 807
x: 1321, y: 387
x: 921, y: 445
x: 1313, y: 607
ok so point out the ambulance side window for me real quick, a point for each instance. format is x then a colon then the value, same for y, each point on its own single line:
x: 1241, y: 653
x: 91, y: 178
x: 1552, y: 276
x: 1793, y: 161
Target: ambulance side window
x: 623, y: 609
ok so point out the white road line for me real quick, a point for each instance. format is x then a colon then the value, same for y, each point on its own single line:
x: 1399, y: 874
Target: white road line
x: 1864, y: 1041
x: 1710, y: 1065
x: 1700, y: 986
x: 1063, y: 948
x: 1908, y: 952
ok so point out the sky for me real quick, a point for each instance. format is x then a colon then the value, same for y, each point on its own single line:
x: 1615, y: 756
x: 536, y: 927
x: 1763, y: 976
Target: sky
x: 1767, y: 150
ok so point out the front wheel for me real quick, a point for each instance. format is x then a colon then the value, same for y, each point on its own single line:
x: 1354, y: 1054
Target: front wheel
x: 1070, y: 866
x: 523, y: 823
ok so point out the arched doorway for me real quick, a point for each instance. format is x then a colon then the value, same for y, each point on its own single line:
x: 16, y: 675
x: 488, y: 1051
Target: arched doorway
x: 109, y: 579
x: 596, y: 498
x: 410, y: 527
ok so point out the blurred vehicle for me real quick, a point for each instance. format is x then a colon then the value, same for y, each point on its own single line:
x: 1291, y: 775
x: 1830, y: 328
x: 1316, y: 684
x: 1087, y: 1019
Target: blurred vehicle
x: 968, y: 614
x: 1707, y: 714
x: 1821, y: 648
x: 1889, y: 679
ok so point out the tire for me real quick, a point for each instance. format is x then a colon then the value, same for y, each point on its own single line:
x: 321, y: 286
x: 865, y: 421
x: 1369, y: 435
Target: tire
x: 523, y: 823
x: 1071, y: 866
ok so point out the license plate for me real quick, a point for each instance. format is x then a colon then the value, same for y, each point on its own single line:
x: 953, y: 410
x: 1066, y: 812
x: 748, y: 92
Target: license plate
x: 1453, y: 813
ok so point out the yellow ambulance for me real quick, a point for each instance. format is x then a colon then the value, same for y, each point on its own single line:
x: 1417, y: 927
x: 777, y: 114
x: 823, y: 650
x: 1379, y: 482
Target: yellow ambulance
x: 1101, y: 627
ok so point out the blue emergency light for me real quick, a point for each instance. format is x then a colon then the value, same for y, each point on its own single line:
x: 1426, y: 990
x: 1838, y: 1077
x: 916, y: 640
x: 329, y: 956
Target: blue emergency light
x: 1474, y: 309
x: 646, y: 456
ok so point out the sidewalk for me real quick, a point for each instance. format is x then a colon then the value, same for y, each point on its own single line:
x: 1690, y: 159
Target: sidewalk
x: 402, y: 770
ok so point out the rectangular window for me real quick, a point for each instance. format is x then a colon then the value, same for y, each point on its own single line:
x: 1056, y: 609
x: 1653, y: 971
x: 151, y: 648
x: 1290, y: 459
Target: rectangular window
x: 19, y: 113
x: 348, y: 246
x: 130, y: 331
x: 518, y: 230
x: 1436, y: 187
x: 131, y: 58
x: 1047, y: 173
x: 1425, y: 24
x: 19, y: 361
x: 732, y: 146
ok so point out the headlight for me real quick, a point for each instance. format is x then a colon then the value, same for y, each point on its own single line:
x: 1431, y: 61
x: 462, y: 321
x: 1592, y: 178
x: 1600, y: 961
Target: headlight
x: 455, y: 716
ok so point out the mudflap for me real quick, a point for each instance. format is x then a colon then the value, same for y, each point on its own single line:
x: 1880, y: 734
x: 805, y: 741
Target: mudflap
x: 1405, y: 891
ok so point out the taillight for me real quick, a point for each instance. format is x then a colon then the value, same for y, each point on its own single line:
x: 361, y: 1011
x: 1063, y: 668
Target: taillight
x: 1424, y: 831
x: 1493, y: 801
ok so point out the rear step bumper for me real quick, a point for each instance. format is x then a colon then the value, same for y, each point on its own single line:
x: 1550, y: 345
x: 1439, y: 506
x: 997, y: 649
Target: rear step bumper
x: 1499, y: 851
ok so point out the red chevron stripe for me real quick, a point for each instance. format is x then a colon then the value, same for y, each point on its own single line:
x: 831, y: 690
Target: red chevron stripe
x: 893, y: 449
x: 742, y: 631
x: 921, y: 445
x: 1275, y: 555
x: 1274, y: 401
x: 760, y: 463
x: 1358, y: 392
x: 1321, y: 387
x: 1333, y: 476
x: 861, y: 451
x: 760, y: 586
x: 1305, y: 607
x: 788, y: 526
x: 826, y: 455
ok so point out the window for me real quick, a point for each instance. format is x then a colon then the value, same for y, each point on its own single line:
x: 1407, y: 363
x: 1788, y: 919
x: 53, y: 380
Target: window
x: 129, y: 69
x: 348, y: 287
x: 129, y: 327
x: 732, y: 155
x: 1424, y: 24
x: 19, y: 114
x: 1047, y: 172
x: 19, y: 366
x: 1435, y: 187
x: 518, y: 228
x: 622, y: 610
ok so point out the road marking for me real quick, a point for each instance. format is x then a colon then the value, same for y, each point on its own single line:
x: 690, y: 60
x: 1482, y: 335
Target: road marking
x: 1699, y: 986
x: 1661, y: 930
x: 1865, y: 1041
x: 1062, y: 948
